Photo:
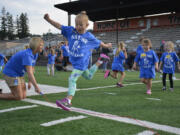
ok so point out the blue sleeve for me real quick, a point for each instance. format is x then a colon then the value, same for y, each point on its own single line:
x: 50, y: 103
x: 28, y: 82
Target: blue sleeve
x: 36, y: 57
x: 162, y: 57
x: 93, y: 42
x: 155, y: 57
x: 27, y: 60
x: 137, y: 58
x: 66, y: 30
x: 175, y: 57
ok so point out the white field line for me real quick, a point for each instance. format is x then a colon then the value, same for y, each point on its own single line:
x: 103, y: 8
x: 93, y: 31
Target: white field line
x: 110, y: 93
x: 115, y: 85
x: 154, y: 99
x: 17, y: 108
x: 141, y: 123
x: 147, y: 132
x: 55, y: 122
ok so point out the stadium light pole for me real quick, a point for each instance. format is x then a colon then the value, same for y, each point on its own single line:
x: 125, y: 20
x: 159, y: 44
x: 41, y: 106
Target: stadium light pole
x: 117, y: 14
x: 69, y: 17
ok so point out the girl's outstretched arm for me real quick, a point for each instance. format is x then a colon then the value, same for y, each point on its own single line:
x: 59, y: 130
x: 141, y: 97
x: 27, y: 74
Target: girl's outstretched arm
x: 108, y: 45
x: 52, y: 22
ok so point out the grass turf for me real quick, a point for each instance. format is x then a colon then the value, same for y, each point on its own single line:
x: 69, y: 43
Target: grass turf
x: 129, y: 101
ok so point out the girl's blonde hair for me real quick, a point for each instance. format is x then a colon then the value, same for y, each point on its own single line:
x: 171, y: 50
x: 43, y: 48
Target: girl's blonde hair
x: 52, y: 51
x: 35, y: 42
x: 170, y: 44
x: 82, y: 16
x: 147, y: 41
x: 120, y: 47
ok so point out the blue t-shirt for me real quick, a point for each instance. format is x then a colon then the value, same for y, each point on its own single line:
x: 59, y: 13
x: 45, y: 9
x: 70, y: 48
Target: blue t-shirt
x: 80, y: 46
x: 1, y: 59
x: 169, y: 60
x: 147, y: 62
x: 51, y: 58
x: 118, y: 61
x: 15, y: 67
x: 65, y: 49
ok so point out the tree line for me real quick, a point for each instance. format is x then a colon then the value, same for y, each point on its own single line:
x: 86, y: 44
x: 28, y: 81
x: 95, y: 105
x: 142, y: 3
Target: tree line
x: 13, y: 28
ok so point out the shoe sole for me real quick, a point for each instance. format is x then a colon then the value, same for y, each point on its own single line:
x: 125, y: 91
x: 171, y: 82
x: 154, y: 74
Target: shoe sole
x: 62, y: 106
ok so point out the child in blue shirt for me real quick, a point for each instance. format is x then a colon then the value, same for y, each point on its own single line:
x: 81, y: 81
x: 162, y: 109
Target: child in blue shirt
x: 80, y: 42
x: 14, y: 70
x: 169, y: 59
x: 148, y: 62
x: 2, y: 60
x: 65, y: 54
x: 117, y: 64
x: 51, y: 61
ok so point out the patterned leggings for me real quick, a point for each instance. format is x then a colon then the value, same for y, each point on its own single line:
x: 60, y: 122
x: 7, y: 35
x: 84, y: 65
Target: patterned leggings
x: 87, y: 74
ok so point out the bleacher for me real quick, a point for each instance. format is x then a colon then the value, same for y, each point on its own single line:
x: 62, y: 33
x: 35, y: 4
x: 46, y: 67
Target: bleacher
x: 9, y: 48
x: 131, y: 37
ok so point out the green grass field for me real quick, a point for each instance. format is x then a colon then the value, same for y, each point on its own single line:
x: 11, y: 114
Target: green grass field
x: 130, y: 101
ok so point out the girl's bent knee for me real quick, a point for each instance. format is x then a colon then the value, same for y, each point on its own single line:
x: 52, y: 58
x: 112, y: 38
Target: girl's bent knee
x: 19, y: 97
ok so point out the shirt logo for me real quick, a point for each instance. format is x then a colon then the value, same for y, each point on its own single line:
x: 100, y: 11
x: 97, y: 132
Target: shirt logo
x: 168, y: 56
x: 143, y: 55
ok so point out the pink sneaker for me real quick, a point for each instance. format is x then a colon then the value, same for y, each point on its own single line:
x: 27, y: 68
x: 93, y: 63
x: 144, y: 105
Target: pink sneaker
x: 107, y: 73
x: 148, y: 92
x: 104, y: 56
x: 63, y: 103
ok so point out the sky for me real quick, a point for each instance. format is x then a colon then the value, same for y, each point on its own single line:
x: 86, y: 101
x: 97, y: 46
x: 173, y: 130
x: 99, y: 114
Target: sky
x: 35, y: 10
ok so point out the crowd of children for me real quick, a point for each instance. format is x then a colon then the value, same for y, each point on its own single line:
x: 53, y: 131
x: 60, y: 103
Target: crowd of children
x: 77, y: 51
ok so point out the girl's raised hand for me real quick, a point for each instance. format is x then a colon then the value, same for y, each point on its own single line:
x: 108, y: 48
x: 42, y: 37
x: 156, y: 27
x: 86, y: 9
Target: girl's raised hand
x: 46, y: 16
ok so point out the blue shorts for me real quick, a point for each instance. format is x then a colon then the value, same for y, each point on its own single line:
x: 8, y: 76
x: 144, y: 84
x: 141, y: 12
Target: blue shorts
x: 147, y: 74
x: 117, y: 67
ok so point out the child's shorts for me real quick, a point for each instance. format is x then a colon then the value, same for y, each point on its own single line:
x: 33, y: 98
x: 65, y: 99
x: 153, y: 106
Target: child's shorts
x: 147, y: 74
x: 117, y: 67
x: 14, y: 81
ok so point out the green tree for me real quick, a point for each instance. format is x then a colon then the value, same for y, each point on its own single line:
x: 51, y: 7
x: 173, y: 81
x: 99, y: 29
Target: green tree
x: 24, y: 28
x: 3, y: 24
x: 18, y: 29
x: 10, y: 26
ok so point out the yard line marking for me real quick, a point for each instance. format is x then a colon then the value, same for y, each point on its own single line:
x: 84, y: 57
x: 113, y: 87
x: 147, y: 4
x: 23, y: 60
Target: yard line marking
x: 17, y: 108
x: 147, y: 132
x: 154, y: 99
x: 110, y: 93
x: 141, y: 123
x: 55, y: 122
x: 129, y: 84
